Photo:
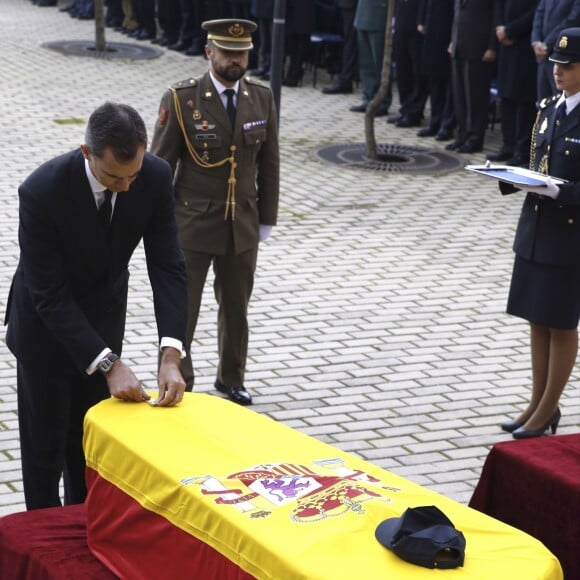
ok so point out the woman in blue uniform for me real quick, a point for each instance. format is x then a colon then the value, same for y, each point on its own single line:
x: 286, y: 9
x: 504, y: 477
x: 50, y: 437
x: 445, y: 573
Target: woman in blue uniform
x: 545, y: 287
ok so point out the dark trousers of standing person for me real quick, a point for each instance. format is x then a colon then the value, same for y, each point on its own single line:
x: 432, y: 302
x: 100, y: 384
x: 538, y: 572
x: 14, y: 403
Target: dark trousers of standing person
x: 412, y: 84
x: 298, y: 48
x: 371, y: 47
x: 169, y: 18
x: 217, y: 9
x: 517, y: 120
x: 114, y: 14
x: 145, y: 11
x: 441, y: 103
x: 348, y: 68
x: 193, y: 13
x: 233, y: 285
x: 51, y: 448
x: 265, y: 50
x: 471, y: 80
x: 240, y: 10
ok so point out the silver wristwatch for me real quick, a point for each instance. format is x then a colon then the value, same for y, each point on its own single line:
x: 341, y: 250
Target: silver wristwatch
x: 106, y: 364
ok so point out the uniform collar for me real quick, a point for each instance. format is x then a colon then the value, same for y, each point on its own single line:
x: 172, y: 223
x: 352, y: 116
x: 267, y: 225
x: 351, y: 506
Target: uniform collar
x: 220, y: 87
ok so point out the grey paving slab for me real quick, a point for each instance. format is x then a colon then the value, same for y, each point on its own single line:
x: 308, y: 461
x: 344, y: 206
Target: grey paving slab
x: 378, y: 320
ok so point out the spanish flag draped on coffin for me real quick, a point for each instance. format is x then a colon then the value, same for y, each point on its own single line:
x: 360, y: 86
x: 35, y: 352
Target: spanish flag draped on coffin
x: 209, y: 489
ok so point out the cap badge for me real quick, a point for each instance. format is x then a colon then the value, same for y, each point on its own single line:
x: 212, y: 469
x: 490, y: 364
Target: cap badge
x: 236, y: 30
x: 563, y: 42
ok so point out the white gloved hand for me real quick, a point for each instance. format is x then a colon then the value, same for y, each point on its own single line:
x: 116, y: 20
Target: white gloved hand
x: 265, y: 232
x: 550, y: 190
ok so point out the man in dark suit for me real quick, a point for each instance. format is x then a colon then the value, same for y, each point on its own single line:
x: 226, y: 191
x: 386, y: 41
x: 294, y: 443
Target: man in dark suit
x: 516, y: 79
x: 67, y: 304
x: 550, y: 18
x: 219, y: 134
x: 473, y: 51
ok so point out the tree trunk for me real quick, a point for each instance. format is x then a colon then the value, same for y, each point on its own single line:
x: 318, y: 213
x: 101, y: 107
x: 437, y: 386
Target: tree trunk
x: 370, y: 141
x: 100, y: 44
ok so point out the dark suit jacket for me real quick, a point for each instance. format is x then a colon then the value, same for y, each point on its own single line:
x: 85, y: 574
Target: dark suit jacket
x: 551, y: 17
x: 201, y: 192
x: 516, y: 67
x: 473, y: 29
x: 68, y: 296
x: 549, y: 230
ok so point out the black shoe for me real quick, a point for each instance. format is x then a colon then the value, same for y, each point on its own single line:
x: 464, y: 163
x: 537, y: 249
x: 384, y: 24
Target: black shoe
x: 470, y: 147
x: 382, y: 111
x: 359, y: 108
x: 46, y: 3
x: 178, y: 46
x: 406, y: 121
x: 338, y: 89
x: 394, y: 118
x: 193, y: 51
x: 502, y: 155
x: 67, y: 8
x: 454, y: 146
x: 144, y: 35
x: 238, y: 395
x: 444, y: 135
x: 427, y: 132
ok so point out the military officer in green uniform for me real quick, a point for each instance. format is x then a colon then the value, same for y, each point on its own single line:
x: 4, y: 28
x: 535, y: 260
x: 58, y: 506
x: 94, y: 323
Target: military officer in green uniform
x: 219, y: 134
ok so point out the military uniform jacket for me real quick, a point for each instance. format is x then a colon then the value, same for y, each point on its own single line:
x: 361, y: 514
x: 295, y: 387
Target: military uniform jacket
x: 549, y: 230
x: 201, y: 188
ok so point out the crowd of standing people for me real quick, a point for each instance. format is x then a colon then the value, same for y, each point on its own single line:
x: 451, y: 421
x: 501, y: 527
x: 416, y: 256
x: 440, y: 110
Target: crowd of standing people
x: 462, y: 57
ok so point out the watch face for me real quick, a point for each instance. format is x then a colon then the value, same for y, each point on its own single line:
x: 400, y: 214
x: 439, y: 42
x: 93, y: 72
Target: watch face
x: 107, y: 363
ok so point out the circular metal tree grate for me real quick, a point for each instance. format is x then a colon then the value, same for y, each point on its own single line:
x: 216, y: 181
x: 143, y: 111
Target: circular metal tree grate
x: 393, y: 158
x: 112, y: 49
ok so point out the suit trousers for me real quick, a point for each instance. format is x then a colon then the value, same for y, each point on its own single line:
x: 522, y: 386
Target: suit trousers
x: 471, y: 80
x: 51, y: 411
x: 233, y: 285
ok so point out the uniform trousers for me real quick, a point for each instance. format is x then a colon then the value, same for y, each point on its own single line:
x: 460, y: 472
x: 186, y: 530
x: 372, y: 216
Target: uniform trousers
x: 371, y: 51
x: 51, y: 411
x: 233, y: 285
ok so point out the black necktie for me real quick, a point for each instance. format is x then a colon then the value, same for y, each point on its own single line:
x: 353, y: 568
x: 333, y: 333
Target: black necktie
x: 230, y: 107
x: 105, y: 210
x: 560, y: 113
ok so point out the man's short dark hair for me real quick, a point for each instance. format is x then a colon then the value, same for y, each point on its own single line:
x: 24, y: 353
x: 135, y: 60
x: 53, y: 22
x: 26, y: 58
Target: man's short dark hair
x: 117, y: 127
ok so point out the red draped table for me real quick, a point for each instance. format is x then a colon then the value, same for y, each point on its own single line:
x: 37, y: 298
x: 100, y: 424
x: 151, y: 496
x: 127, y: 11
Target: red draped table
x: 48, y: 544
x: 534, y: 485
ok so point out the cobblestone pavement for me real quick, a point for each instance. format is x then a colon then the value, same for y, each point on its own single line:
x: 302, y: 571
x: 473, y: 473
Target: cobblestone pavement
x: 378, y: 320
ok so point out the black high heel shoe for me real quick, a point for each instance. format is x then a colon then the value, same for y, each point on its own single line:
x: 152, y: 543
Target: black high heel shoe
x: 511, y: 426
x: 551, y: 423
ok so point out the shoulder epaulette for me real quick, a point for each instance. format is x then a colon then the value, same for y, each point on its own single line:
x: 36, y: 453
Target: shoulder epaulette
x: 548, y: 100
x: 184, y: 84
x: 254, y: 81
